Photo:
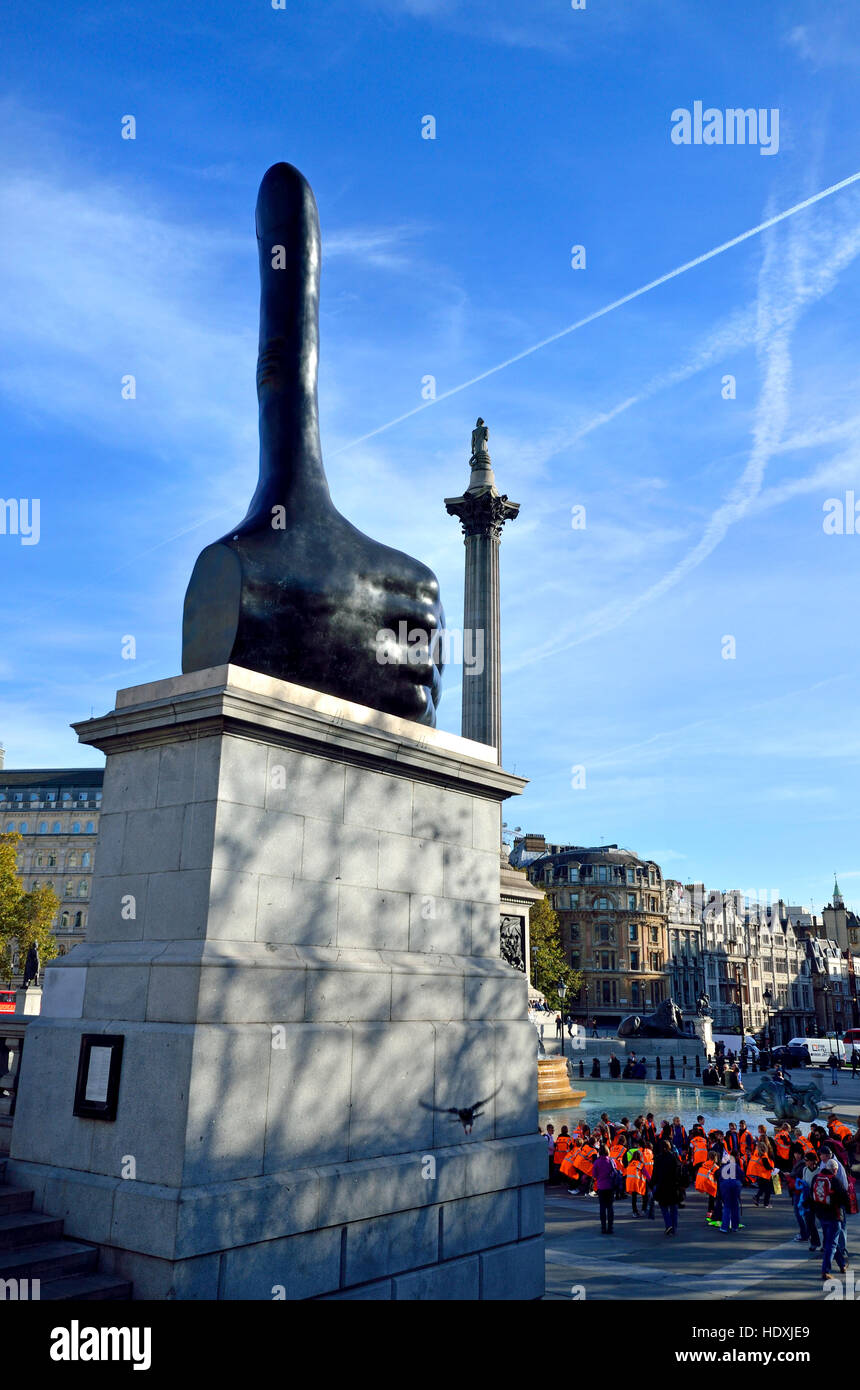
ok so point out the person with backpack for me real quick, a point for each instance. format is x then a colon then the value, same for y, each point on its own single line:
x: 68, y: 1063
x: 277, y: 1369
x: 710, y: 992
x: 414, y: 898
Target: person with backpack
x: 833, y: 1063
x: 829, y: 1202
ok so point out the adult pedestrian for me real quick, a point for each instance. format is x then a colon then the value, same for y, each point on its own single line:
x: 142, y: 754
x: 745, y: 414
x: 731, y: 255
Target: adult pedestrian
x: 667, y: 1184
x: 605, y: 1173
x: 761, y: 1167
x: 855, y: 1062
x: 834, y: 1068
x: 830, y: 1203
x: 614, y: 1067
x: 550, y: 1152
x: 801, y: 1196
x: 594, y: 1027
x: 558, y: 1025
x: 730, y: 1184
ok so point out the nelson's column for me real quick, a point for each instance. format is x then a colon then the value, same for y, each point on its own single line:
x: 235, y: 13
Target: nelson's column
x: 483, y: 511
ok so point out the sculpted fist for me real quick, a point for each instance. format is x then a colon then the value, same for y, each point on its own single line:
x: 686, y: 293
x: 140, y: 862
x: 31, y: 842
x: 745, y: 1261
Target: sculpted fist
x: 295, y: 591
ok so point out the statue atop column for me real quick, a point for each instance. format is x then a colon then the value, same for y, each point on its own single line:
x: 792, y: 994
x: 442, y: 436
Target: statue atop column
x: 480, y: 442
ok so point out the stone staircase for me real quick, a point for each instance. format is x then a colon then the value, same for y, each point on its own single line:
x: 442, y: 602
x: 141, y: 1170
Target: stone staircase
x: 32, y: 1246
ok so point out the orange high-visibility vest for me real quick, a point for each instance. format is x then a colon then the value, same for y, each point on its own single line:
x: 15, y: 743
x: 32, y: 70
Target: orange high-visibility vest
x: 634, y: 1180
x: 783, y: 1144
x: 698, y: 1149
x: 584, y: 1160
x: 617, y: 1151
x: 840, y: 1130
x: 648, y: 1162
x: 760, y: 1166
x: 806, y: 1144
x: 705, y: 1180
x: 562, y: 1144
x: 746, y: 1143
x: 568, y: 1166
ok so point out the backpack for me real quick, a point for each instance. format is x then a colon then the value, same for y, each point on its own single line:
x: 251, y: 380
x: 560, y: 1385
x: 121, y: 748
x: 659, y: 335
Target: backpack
x: 822, y: 1187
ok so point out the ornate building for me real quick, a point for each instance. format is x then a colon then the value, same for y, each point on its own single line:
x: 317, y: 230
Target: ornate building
x: 749, y: 957
x: 612, y: 910
x: 56, y: 811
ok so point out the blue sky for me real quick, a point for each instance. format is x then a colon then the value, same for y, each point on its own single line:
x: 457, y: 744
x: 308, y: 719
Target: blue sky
x: 447, y: 257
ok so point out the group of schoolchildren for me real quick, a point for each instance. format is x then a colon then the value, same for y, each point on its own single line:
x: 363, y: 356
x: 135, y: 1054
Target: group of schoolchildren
x: 654, y: 1166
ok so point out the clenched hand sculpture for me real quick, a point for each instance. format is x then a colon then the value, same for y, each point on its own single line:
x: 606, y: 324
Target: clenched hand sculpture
x: 295, y: 591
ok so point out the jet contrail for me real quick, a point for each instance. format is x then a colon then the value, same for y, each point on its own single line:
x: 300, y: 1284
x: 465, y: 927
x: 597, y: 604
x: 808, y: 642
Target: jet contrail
x: 607, y: 309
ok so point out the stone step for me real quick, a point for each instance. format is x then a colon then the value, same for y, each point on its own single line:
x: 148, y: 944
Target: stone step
x: 23, y: 1228
x: 86, y: 1287
x: 52, y: 1260
x: 15, y: 1199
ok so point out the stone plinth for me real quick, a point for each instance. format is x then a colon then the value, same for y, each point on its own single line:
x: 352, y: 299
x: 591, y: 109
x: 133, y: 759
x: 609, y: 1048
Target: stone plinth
x: 295, y: 928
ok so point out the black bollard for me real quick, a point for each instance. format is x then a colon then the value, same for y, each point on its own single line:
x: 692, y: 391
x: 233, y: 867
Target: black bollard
x: 581, y: 1069
x: 659, y: 1074
x: 672, y: 1076
x: 698, y: 1065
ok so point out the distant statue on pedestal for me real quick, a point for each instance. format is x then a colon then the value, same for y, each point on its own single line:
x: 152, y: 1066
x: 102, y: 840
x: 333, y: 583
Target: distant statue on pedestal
x: 31, y: 967
x: 480, y: 442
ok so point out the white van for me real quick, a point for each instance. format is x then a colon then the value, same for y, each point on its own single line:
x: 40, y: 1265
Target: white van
x: 820, y: 1049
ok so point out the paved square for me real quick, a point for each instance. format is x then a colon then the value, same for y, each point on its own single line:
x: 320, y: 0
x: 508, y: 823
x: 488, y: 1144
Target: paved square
x: 762, y: 1261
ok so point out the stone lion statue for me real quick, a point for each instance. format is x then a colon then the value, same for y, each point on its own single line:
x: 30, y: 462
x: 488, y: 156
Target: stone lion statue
x: 666, y: 1022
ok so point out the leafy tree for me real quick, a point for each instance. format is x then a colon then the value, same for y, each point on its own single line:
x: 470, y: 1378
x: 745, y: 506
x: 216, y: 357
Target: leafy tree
x: 25, y: 918
x: 548, y: 957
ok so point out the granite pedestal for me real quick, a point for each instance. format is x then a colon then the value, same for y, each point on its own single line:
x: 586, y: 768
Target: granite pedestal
x: 295, y: 928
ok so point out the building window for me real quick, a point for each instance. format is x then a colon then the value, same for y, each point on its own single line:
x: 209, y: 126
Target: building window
x: 85, y: 859
x: 655, y: 935
x: 76, y: 828
x: 607, y: 960
x: 602, y: 904
x: 574, y: 960
x: 64, y: 921
x: 10, y: 827
x: 633, y: 932
x: 631, y: 877
x: 72, y: 861
x: 631, y: 902
x: 83, y: 888
x: 635, y: 998
x: 39, y: 860
x: 79, y: 919
x: 574, y: 899
x: 56, y: 827
x: 91, y: 828
x: 601, y: 873
x: 606, y: 934
x: 23, y: 827
x: 43, y: 827
x: 634, y: 960
x: 70, y: 889
x: 574, y: 931
x: 34, y: 885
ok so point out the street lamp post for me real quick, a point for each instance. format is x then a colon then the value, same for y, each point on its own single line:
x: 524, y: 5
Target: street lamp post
x: 562, y: 991
x: 768, y: 1000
